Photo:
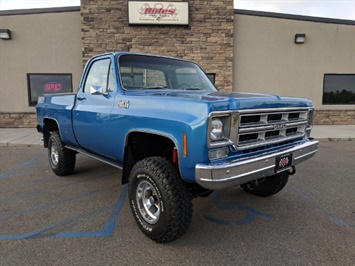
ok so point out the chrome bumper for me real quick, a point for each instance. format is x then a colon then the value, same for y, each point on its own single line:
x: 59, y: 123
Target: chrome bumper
x: 234, y: 173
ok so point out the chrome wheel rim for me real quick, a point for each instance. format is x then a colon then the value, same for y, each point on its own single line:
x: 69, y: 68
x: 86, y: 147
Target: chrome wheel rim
x: 54, y: 154
x: 148, y: 202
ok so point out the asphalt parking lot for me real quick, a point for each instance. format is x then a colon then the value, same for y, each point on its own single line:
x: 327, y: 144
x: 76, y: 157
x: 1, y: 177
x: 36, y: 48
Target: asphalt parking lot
x: 84, y: 219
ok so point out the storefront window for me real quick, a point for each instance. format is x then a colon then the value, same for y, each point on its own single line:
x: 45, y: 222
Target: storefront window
x: 339, y: 89
x: 39, y: 84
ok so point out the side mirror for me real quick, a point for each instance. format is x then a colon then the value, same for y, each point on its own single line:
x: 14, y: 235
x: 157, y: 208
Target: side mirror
x: 96, y: 90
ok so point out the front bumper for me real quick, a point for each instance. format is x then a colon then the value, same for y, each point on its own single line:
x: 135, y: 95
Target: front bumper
x: 234, y: 173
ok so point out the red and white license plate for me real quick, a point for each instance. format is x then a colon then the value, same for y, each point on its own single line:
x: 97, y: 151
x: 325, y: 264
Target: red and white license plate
x: 283, y: 162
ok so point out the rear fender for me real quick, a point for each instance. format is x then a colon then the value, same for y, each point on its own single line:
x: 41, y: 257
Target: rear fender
x: 49, y: 125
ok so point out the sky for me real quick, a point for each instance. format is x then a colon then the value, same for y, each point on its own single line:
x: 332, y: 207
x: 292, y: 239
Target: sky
x: 340, y: 9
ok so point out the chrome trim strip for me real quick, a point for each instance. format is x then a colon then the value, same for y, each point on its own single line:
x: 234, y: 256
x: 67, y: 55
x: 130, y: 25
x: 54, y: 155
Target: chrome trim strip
x: 230, y: 115
x: 94, y: 156
x: 264, y: 125
x: 234, y: 173
x: 245, y: 129
x: 260, y: 143
x: 304, y: 155
x: 276, y: 110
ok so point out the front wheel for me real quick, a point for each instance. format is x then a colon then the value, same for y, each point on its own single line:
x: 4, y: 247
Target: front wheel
x: 61, y: 160
x: 267, y: 186
x: 160, y: 201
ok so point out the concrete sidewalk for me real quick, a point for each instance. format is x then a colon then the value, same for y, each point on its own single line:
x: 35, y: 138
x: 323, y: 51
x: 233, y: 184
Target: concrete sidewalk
x: 19, y: 136
x: 30, y: 136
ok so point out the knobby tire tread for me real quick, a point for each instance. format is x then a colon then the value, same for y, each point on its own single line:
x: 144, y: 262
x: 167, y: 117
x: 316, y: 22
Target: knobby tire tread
x: 178, y: 197
x: 67, y: 157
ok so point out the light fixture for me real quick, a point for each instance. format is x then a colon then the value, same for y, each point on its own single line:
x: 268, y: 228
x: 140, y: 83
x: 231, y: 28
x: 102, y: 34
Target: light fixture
x: 300, y: 38
x: 5, y: 34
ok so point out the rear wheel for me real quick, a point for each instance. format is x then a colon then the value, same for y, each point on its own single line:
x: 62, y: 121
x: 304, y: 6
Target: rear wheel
x: 267, y: 186
x: 160, y: 201
x: 61, y: 159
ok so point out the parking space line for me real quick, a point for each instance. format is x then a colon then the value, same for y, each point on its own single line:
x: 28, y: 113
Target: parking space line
x: 311, y: 202
x: 250, y: 213
x: 106, y: 231
x: 31, y: 193
x: 26, y: 182
x: 7, y: 174
x: 51, y: 204
x: 109, y: 226
x: 38, y: 233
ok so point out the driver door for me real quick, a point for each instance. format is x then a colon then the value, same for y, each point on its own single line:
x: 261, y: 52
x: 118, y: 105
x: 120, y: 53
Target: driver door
x: 93, y: 108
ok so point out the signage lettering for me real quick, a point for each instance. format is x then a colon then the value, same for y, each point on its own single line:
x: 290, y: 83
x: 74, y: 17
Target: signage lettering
x: 52, y: 86
x: 159, y: 13
x: 150, y: 10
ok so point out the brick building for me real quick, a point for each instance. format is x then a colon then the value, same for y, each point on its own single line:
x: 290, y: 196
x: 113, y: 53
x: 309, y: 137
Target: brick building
x: 244, y: 50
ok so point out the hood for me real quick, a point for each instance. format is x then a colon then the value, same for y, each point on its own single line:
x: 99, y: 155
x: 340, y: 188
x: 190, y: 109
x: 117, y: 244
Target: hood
x: 221, y: 101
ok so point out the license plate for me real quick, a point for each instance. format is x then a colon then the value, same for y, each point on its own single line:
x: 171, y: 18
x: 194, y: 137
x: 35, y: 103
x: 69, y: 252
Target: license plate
x: 283, y: 162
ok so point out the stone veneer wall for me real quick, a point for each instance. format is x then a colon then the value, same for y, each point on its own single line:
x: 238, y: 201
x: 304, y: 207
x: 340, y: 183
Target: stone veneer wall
x: 334, y: 117
x: 24, y: 120
x: 208, y: 40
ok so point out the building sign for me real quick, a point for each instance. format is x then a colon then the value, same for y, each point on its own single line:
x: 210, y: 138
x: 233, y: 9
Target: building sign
x: 39, y: 84
x: 158, y: 13
x: 53, y: 86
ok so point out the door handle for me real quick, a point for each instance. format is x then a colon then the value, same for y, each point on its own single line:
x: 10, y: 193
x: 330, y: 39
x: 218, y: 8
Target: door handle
x: 80, y: 98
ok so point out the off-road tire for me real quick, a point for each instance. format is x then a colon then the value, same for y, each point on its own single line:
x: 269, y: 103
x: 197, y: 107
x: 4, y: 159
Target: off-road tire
x: 267, y: 186
x: 171, y: 197
x: 61, y: 159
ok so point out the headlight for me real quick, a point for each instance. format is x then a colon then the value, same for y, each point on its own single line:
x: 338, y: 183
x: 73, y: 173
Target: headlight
x: 216, y: 129
x: 219, y: 129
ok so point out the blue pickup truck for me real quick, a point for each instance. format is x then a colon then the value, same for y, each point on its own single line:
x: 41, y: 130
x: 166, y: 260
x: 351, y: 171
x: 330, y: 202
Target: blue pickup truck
x: 174, y: 135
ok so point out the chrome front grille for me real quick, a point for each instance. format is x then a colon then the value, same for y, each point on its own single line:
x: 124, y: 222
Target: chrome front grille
x: 259, y: 128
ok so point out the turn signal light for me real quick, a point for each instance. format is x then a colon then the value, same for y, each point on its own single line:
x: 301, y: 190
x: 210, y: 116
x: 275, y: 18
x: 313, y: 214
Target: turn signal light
x: 184, y: 145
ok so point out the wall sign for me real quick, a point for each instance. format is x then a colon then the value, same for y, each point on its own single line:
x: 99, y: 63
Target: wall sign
x: 158, y: 13
x: 39, y: 84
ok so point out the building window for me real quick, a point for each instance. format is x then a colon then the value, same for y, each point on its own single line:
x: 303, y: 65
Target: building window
x: 339, y: 89
x: 212, y: 77
x: 39, y: 84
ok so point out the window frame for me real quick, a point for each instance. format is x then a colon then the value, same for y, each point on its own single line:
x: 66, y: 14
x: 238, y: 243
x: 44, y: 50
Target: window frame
x: 169, y: 79
x: 90, y: 68
x: 324, y: 82
x: 30, y: 89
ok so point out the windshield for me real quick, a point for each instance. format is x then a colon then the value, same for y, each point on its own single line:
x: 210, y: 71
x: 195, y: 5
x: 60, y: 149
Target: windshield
x: 151, y: 72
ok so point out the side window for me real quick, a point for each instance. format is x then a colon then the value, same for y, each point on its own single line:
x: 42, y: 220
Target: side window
x: 98, y: 75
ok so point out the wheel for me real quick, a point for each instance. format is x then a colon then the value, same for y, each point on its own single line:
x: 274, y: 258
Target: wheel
x: 267, y: 186
x: 160, y: 201
x: 61, y: 160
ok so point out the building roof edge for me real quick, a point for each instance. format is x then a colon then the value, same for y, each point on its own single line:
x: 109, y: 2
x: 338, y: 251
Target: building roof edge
x: 39, y: 10
x: 293, y: 17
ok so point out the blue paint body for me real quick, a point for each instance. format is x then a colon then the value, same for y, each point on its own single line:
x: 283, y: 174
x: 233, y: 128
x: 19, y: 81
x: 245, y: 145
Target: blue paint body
x: 100, y: 124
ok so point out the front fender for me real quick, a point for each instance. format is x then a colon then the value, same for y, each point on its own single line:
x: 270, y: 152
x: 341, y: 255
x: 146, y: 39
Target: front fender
x: 196, y: 144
